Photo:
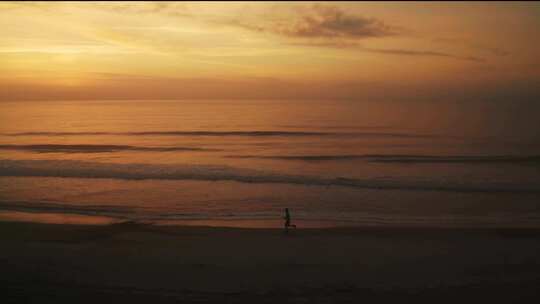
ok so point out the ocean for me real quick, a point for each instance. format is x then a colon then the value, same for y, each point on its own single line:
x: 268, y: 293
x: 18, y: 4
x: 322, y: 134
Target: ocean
x: 241, y: 162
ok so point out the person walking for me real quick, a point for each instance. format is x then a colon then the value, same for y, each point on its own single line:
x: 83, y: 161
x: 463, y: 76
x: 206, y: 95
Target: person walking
x: 288, y: 220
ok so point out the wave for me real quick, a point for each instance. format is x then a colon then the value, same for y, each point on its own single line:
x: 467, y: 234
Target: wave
x: 84, y: 148
x: 51, y: 207
x: 301, y: 157
x: 123, y: 212
x: 82, y: 169
x: 225, y: 133
x: 270, y: 217
x: 403, y: 158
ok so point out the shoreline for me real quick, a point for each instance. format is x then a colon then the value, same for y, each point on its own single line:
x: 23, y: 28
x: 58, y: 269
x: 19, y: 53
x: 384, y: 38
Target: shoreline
x: 214, y: 225
x: 55, y: 218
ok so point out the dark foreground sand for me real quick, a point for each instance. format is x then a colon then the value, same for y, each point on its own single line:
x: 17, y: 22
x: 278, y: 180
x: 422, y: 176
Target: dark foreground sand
x: 133, y: 263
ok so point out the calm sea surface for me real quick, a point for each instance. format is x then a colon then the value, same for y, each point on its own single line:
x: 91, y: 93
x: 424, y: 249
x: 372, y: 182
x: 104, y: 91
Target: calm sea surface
x: 241, y: 162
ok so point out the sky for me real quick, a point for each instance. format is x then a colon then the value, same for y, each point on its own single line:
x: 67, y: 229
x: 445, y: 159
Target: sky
x: 322, y: 50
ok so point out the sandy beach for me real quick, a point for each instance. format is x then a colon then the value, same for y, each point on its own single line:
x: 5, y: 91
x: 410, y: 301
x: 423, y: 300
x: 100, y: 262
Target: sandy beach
x: 130, y: 262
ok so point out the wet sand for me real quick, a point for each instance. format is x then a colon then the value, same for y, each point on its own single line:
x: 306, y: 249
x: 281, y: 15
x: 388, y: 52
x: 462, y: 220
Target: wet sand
x: 129, y: 262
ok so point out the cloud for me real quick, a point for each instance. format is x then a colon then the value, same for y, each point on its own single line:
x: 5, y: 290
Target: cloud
x: 422, y: 53
x: 339, y: 44
x: 330, y: 26
x: 320, y: 21
x: 166, y: 8
x: 497, y: 51
x: 329, y: 21
x: 404, y: 52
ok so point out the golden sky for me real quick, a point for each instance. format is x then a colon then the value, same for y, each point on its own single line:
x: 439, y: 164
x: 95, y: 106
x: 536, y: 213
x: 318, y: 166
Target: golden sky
x: 269, y: 50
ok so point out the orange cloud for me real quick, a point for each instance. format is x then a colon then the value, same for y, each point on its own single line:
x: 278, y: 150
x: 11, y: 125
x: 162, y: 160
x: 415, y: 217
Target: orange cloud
x: 324, y: 21
x: 330, y: 21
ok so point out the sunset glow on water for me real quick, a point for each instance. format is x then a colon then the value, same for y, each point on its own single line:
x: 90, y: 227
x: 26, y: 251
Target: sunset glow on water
x: 238, y: 162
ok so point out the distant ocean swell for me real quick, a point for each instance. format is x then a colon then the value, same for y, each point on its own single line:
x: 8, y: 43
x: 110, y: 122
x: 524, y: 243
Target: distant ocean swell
x: 82, y: 169
x: 380, y: 158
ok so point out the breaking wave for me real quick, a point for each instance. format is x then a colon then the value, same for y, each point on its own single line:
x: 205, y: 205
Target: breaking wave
x: 402, y: 158
x: 82, y: 169
x: 108, y: 210
x: 124, y: 212
x: 455, y: 159
x: 171, y: 216
x: 253, y: 133
x: 301, y: 157
x: 51, y: 148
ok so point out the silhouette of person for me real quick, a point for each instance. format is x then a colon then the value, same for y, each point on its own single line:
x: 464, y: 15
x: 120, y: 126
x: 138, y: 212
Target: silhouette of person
x: 288, y: 220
